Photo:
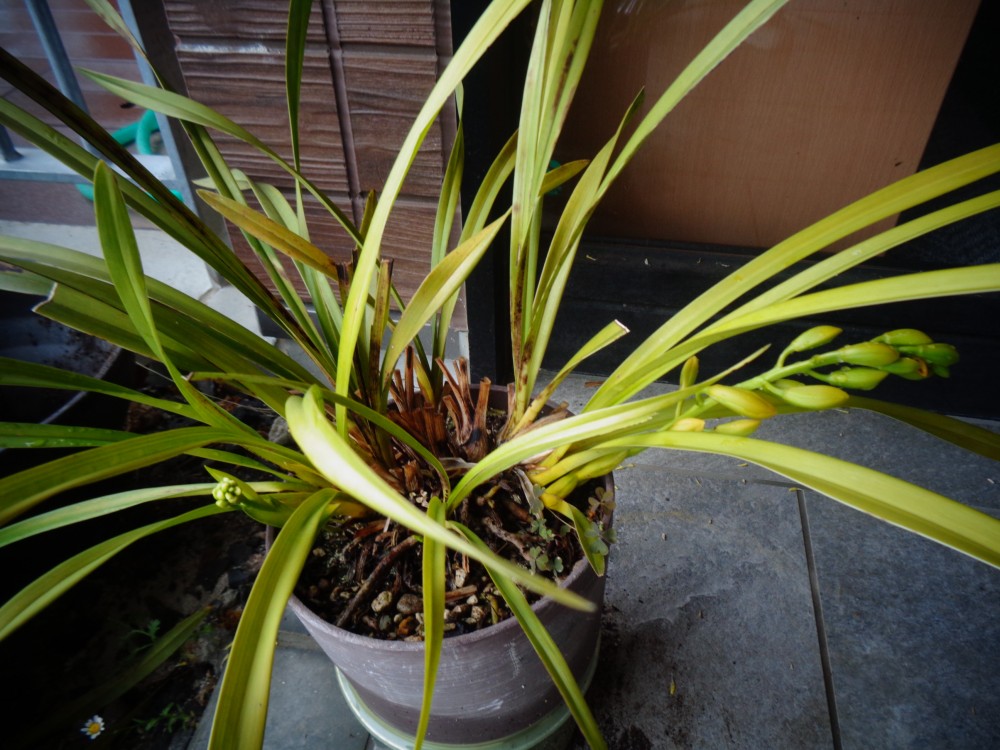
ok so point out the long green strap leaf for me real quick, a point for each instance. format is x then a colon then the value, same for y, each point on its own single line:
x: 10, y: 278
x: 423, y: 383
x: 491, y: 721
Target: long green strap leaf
x: 41, y: 592
x: 485, y: 31
x: 913, y: 286
x: 77, y: 270
x: 440, y: 284
x: 164, y: 210
x: 30, y: 435
x: 15, y: 372
x: 121, y: 252
x: 900, y: 503
x: 183, y: 108
x: 433, y: 579
x: 242, y: 708
x: 558, y: 264
x: 22, y: 491
x: 102, y: 506
x: 299, y: 12
x: 547, y: 650
x: 271, y: 232
x: 923, y: 285
x: 968, y: 436
x: 899, y: 196
x: 839, y: 262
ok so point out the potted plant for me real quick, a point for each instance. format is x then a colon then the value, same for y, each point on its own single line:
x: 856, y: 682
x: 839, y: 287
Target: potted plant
x: 396, y: 453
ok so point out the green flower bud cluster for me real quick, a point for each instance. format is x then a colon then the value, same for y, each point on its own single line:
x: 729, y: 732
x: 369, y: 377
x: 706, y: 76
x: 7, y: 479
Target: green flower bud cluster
x: 906, y: 352
x: 919, y: 354
x: 227, y: 492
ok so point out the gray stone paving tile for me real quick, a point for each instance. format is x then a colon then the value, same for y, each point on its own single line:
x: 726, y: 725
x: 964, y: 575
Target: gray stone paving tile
x: 710, y: 638
x: 913, y: 631
x: 307, y: 710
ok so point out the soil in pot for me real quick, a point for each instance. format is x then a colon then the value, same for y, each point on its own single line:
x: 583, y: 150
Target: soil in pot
x: 365, y: 575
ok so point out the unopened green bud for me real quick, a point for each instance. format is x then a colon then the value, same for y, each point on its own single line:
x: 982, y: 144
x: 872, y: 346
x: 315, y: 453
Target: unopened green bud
x: 941, y: 371
x: 813, y: 338
x: 743, y: 402
x: 904, y: 337
x: 740, y: 427
x: 814, y: 396
x: 226, y: 492
x: 860, y: 378
x: 787, y: 383
x: 868, y: 354
x: 689, y: 372
x: 688, y: 424
x: 937, y: 354
x: 910, y: 368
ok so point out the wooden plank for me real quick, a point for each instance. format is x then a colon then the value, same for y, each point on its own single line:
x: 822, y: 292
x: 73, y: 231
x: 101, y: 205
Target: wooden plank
x: 409, y: 23
x: 385, y: 91
x: 247, y: 85
x: 237, y: 20
x: 232, y: 57
x: 825, y: 104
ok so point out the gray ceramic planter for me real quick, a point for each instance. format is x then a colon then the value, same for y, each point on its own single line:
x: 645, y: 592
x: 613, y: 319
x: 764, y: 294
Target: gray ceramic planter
x: 492, y: 690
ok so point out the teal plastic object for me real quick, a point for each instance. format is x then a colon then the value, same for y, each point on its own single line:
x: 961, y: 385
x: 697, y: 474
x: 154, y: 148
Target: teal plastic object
x: 140, y: 133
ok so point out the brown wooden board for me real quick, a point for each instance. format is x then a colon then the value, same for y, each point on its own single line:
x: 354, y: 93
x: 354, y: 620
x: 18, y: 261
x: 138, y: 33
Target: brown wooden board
x: 826, y: 103
x: 247, y: 84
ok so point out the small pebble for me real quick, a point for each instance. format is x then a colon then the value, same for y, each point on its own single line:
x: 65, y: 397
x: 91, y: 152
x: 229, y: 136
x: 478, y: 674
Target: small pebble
x: 409, y: 604
x: 384, y: 623
x: 407, y: 627
x: 383, y: 600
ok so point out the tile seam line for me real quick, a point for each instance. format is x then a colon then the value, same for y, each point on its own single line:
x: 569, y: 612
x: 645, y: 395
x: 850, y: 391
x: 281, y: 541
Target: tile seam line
x: 821, y: 636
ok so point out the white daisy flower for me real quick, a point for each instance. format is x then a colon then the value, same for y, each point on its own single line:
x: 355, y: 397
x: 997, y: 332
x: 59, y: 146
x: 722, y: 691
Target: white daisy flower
x: 93, y: 727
